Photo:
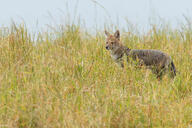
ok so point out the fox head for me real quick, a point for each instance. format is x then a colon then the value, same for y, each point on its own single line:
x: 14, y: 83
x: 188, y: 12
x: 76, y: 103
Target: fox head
x: 112, y: 41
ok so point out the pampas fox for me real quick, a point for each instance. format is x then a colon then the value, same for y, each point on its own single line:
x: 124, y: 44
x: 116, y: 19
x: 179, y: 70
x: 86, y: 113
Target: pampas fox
x: 158, y: 61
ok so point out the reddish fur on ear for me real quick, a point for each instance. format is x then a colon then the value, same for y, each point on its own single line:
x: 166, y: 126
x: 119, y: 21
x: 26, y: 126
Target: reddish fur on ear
x: 117, y: 34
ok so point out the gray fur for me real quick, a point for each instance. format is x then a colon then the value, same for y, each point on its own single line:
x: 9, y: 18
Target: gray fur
x: 158, y: 61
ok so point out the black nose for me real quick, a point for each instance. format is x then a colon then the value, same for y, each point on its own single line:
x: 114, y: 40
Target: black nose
x: 107, y: 47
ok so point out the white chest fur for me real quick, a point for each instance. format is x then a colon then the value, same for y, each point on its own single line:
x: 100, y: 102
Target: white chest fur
x: 115, y: 56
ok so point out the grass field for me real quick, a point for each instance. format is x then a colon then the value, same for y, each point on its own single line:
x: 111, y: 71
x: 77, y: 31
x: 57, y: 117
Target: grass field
x: 66, y: 78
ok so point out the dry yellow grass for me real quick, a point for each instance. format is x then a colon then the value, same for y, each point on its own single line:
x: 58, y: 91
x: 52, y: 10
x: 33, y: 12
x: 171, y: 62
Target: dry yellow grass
x: 67, y: 79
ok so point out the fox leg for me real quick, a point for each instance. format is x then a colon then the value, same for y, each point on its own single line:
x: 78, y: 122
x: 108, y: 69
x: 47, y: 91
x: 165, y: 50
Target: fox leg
x: 120, y: 62
x: 158, y: 72
x: 159, y: 75
x: 161, y: 72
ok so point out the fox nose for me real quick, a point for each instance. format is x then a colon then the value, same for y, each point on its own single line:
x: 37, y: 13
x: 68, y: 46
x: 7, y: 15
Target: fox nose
x: 107, y: 47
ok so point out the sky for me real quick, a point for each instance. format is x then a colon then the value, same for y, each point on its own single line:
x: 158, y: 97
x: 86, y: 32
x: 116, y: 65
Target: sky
x: 94, y: 13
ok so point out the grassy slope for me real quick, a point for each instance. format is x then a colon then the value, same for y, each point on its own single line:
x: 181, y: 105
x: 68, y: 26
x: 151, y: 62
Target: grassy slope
x: 67, y: 79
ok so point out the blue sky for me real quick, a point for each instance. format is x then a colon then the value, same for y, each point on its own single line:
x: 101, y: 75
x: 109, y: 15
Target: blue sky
x: 139, y: 12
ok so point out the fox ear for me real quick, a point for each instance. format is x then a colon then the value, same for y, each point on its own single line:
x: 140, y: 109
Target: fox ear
x: 117, y: 34
x: 107, y: 33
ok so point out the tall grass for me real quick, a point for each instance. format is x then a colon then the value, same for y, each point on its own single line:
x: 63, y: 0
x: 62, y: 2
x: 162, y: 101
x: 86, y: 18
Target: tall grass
x: 66, y: 78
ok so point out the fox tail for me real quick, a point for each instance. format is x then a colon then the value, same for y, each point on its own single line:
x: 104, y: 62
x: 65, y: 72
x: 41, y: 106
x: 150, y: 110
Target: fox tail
x: 173, y: 69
